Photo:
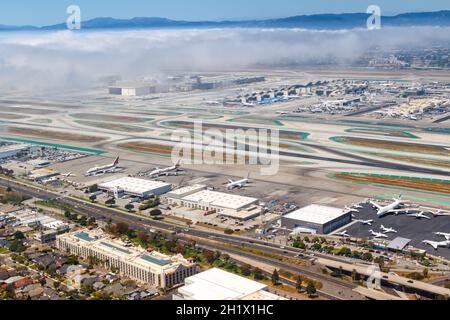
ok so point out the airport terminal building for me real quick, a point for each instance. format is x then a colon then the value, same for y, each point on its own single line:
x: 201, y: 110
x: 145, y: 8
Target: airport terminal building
x: 153, y: 268
x: 317, y: 219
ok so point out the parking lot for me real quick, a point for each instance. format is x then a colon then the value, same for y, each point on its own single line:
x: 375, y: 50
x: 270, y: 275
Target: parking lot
x: 407, y: 227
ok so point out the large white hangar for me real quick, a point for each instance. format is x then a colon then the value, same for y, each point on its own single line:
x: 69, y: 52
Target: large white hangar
x: 135, y: 187
x: 317, y: 218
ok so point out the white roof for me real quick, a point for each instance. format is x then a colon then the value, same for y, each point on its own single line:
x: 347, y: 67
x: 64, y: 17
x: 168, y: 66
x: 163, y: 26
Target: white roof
x: 316, y: 214
x: 187, y: 190
x: 133, y: 185
x: 216, y: 284
x: 221, y: 199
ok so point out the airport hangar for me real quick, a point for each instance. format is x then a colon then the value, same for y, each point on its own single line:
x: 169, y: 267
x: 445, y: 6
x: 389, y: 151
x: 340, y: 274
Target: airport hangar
x: 197, y: 197
x: 316, y: 219
x: 135, y: 187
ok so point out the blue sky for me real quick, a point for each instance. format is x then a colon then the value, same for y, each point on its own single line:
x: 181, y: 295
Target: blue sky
x: 43, y: 12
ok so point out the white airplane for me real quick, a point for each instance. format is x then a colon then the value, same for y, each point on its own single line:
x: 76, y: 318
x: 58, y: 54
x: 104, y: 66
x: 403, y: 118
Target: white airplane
x: 348, y: 209
x: 388, y: 230
x: 238, y: 184
x: 109, y: 168
x: 343, y: 234
x: 378, y: 234
x: 212, y: 103
x: 436, y: 244
x: 357, y: 206
x: 368, y: 222
x: 282, y: 112
x: 68, y: 175
x: 420, y: 215
x: 166, y: 171
x: 439, y: 213
x: 391, y: 208
x: 442, y: 234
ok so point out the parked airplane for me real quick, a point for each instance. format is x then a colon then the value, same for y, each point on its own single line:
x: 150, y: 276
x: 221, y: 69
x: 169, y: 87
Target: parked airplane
x: 420, y: 215
x: 110, y: 168
x: 68, y: 175
x: 238, y: 184
x: 388, y: 230
x: 439, y: 213
x: 378, y: 234
x: 442, y: 234
x: 357, y: 206
x: 343, y: 234
x: 282, y: 112
x: 166, y: 171
x: 436, y: 244
x: 391, y: 208
x: 368, y: 222
x: 348, y: 209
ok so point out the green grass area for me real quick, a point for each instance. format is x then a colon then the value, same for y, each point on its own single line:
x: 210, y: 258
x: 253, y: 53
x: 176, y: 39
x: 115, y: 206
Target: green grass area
x: 383, y: 132
x: 54, y: 145
x: 438, y: 130
x: 377, y: 123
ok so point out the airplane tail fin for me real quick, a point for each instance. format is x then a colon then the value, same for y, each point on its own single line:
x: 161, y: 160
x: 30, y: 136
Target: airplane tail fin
x: 178, y: 163
x: 248, y: 175
x: 116, y: 162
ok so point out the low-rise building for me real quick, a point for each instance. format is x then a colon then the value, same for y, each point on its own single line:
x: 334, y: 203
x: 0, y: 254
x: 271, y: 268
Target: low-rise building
x: 225, y: 204
x: 216, y: 284
x: 135, y: 187
x: 317, y: 218
x: 153, y: 268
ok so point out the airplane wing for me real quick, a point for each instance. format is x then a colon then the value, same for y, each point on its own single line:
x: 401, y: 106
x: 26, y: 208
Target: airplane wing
x: 431, y: 243
x: 375, y: 205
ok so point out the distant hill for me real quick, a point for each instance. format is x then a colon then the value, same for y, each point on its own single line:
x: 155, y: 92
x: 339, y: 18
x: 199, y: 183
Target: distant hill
x: 318, y: 21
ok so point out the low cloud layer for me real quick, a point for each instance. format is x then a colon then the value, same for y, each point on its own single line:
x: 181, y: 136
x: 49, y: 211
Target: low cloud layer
x: 65, y: 59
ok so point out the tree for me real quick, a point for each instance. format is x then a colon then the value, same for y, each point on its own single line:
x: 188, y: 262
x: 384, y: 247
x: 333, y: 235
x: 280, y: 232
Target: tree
x: 275, y: 277
x: 67, y: 214
x: 228, y: 231
x: 298, y: 283
x: 17, y: 246
x: 93, y: 198
x: 129, y: 207
x: 122, y: 228
x: 258, y: 274
x: 142, y: 237
x: 110, y: 202
x: 311, y: 288
x: 425, y: 273
x: 155, y: 213
x: 246, y: 270
x: 18, y: 235
x: 209, y: 256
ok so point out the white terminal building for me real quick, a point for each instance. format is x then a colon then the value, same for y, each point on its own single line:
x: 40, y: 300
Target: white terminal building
x: 228, y: 205
x: 12, y: 150
x: 316, y: 219
x: 135, y: 187
x: 153, y: 268
x: 216, y: 284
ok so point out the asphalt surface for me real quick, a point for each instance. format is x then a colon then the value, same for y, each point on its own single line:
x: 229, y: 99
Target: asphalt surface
x: 407, y: 227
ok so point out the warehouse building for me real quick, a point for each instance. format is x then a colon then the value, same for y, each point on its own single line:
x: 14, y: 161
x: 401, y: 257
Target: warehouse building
x: 216, y: 284
x: 153, y: 268
x: 317, y: 219
x: 225, y: 204
x: 132, y: 89
x: 12, y: 150
x: 135, y: 187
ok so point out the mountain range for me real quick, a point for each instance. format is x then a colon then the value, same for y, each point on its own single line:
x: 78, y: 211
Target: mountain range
x: 318, y: 21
